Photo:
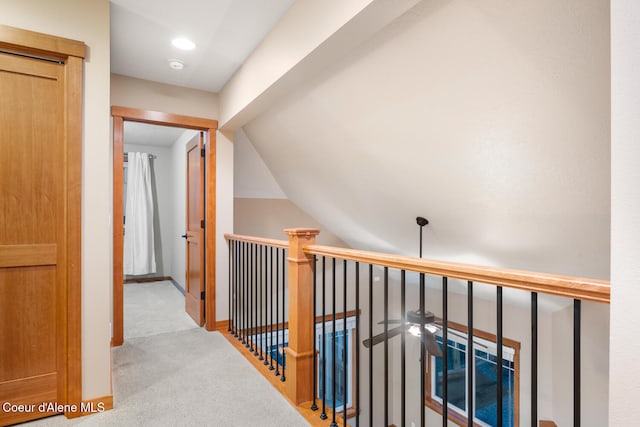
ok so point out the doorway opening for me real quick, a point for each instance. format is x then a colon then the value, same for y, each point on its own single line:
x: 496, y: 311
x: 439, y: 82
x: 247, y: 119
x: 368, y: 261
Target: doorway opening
x: 202, y: 241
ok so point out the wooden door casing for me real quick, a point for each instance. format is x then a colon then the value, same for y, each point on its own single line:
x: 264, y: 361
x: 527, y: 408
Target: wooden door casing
x: 208, y: 127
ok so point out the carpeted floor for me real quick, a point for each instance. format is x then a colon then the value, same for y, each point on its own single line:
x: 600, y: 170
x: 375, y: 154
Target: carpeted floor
x: 188, y: 377
x: 153, y: 308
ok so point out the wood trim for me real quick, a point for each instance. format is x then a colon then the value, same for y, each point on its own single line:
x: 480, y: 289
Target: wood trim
x: 16, y: 39
x: 547, y: 423
x: 282, y: 326
x: 92, y: 406
x: 221, y: 325
x: 283, y: 244
x: 118, y: 232
x: 165, y: 119
x: 565, y: 286
x: 74, y: 100
x: 313, y: 417
x: 210, y: 229
x: 209, y: 126
x: 28, y: 255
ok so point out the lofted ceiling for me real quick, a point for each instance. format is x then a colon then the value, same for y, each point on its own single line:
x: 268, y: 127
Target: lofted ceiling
x: 500, y: 139
x: 225, y: 33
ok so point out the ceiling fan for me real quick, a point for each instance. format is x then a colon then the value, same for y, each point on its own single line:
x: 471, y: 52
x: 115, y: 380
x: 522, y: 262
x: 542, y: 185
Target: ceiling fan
x: 412, y: 325
x: 414, y: 320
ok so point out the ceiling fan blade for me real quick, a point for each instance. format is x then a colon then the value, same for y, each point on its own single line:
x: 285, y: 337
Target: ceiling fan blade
x: 432, y: 344
x: 377, y: 339
x: 389, y: 321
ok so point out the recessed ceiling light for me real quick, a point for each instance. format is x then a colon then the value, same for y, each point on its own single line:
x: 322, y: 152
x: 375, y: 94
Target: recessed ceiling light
x: 176, y: 64
x: 183, y: 43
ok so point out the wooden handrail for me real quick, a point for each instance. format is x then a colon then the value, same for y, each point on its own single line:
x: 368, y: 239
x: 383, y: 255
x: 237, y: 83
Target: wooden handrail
x: 565, y: 286
x: 259, y: 240
x: 551, y: 284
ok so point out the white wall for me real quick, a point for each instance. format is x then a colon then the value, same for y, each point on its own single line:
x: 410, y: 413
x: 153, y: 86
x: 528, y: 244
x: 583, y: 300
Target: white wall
x: 252, y: 179
x: 498, y: 134
x: 87, y: 22
x: 594, y: 365
x: 625, y: 213
x: 260, y: 206
x: 224, y: 220
x: 164, y: 201
x: 147, y: 95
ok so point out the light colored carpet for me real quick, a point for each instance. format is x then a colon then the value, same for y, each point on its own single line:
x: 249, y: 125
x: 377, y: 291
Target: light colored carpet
x: 154, y: 308
x: 189, y: 377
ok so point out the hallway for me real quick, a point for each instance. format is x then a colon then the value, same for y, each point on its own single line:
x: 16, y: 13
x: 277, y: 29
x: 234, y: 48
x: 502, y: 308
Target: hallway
x: 185, y: 377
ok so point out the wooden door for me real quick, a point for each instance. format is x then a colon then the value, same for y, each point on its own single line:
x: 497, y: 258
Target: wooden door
x: 194, y: 292
x: 34, y: 236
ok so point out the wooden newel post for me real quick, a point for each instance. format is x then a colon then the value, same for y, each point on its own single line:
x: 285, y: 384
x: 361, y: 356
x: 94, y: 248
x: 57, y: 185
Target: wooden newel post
x: 299, y: 384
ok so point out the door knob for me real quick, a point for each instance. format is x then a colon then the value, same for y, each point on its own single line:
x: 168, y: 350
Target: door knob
x: 184, y: 236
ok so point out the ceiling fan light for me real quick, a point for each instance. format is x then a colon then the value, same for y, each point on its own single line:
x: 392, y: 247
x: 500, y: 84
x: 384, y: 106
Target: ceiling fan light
x: 414, y: 330
x: 431, y: 328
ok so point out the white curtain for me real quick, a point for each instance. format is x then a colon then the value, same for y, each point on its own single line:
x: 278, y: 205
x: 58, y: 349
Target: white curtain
x: 139, y: 247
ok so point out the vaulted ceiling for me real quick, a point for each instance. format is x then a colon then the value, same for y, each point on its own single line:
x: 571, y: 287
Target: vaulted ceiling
x: 488, y: 118
x: 491, y: 119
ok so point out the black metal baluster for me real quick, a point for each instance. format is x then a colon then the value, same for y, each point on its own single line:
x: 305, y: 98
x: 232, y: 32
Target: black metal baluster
x: 445, y: 351
x: 244, y: 292
x: 423, y: 352
x: 333, y: 343
x: 403, y: 367
x: 470, y: 356
x: 499, y: 359
x: 260, y: 325
x: 271, y: 367
x: 235, y: 289
x: 314, y: 405
x: 252, y: 277
x: 284, y: 276
x: 277, y: 373
x: 265, y: 307
x: 357, y: 382
x: 371, y: 346
x: 254, y: 329
x: 239, y: 299
x: 344, y: 340
x: 386, y: 346
x: 534, y: 359
x: 576, y: 362
x: 323, y: 341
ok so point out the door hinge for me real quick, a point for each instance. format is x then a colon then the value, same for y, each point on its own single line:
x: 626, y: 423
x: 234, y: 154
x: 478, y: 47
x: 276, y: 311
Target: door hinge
x: 202, y: 223
x: 202, y: 295
x: 202, y: 152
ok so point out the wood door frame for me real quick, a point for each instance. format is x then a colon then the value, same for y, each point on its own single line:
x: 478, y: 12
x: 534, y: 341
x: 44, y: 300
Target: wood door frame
x: 72, y: 54
x: 209, y: 127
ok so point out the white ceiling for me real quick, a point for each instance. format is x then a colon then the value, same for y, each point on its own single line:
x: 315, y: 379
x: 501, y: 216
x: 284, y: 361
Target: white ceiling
x: 225, y: 33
